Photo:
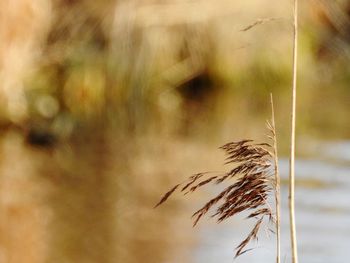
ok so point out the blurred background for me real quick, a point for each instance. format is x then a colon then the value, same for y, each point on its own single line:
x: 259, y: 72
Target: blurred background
x: 105, y: 105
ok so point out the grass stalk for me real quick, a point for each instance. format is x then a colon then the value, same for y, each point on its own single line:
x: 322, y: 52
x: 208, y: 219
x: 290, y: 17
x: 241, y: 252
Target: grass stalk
x: 292, y: 141
x: 277, y: 184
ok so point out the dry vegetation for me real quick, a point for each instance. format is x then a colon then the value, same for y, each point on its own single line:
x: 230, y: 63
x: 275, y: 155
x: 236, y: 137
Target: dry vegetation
x: 98, y: 96
x: 253, y: 178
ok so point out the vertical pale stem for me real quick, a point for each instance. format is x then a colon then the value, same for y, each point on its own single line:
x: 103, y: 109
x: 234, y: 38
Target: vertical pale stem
x: 292, y: 142
x: 277, y: 185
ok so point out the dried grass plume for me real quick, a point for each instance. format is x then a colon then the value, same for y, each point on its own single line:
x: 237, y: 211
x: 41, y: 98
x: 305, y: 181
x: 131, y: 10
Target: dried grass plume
x: 251, y: 180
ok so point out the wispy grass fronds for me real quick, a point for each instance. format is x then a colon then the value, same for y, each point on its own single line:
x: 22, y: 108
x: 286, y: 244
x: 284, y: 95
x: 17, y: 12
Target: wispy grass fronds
x: 251, y: 180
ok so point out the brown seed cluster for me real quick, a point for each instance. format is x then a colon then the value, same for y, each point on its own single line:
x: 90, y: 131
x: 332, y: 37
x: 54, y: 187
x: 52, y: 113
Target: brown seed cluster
x: 252, y: 183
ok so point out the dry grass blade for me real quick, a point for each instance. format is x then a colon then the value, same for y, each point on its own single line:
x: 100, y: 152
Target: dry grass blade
x: 211, y: 203
x: 252, y: 235
x: 263, y: 211
x: 192, y: 179
x: 259, y: 21
x: 204, y: 182
x: 167, y: 195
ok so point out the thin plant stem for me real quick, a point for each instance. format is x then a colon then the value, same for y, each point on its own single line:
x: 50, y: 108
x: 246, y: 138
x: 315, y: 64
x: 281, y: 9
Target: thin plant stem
x: 292, y: 142
x: 277, y: 185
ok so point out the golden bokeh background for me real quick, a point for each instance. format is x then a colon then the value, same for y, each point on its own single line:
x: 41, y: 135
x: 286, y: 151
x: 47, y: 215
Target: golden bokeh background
x: 105, y: 104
